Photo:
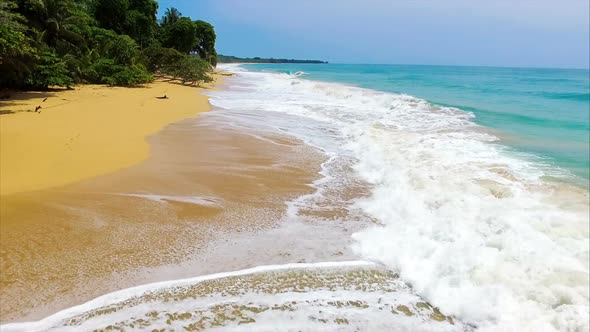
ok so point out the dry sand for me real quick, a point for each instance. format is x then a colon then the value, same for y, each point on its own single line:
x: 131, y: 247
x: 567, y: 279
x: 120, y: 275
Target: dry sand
x: 65, y: 245
x: 85, y: 132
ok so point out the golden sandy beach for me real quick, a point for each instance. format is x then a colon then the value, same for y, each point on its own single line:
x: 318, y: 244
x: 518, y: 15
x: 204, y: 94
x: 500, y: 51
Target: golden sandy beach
x: 75, y: 214
x: 85, y: 132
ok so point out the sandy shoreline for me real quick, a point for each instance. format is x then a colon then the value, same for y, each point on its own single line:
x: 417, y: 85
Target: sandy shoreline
x: 201, y: 180
x: 82, y: 133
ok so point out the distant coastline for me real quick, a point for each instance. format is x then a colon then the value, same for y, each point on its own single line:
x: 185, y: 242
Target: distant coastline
x: 234, y: 59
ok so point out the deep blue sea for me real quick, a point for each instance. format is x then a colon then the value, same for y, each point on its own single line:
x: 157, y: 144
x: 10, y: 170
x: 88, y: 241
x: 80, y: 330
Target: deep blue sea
x: 544, y: 112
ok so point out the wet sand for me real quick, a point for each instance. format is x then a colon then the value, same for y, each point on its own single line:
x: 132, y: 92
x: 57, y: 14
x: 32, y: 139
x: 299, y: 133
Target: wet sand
x: 66, y: 245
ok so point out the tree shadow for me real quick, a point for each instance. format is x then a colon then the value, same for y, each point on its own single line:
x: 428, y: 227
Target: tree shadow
x: 16, y: 96
x: 6, y: 112
x: 178, y: 81
x: 20, y: 101
x: 11, y: 95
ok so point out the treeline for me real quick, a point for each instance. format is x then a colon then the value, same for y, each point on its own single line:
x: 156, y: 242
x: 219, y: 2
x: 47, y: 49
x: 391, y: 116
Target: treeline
x: 47, y: 43
x: 234, y: 59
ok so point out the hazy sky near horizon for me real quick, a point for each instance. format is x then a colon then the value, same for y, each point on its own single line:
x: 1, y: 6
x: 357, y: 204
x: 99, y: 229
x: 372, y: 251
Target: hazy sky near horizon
x: 521, y: 33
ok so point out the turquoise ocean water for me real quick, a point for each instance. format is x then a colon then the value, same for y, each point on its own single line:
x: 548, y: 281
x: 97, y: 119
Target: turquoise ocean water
x: 543, y: 112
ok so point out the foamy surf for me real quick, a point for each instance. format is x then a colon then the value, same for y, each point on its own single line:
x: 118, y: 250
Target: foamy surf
x: 474, y: 227
x: 197, y: 200
x: 327, y: 296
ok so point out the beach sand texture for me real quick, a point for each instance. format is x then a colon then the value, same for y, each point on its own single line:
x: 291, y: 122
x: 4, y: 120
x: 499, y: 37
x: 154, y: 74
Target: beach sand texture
x: 199, y: 180
x: 85, y: 132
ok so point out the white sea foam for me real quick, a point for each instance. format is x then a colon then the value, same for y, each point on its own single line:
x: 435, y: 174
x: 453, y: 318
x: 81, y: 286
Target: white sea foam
x: 197, y: 200
x: 329, y: 296
x: 119, y: 296
x: 472, y: 226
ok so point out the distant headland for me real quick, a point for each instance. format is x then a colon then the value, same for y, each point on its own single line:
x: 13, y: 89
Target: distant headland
x: 234, y: 59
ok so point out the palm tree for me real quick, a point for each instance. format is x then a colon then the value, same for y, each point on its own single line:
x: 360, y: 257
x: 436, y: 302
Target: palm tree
x: 61, y: 19
x: 171, y: 16
x: 56, y: 20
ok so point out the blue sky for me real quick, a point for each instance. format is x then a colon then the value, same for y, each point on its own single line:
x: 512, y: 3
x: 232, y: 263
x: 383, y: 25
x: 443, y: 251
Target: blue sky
x: 518, y: 33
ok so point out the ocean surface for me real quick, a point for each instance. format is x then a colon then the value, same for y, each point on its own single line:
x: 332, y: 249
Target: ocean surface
x: 476, y: 178
x: 449, y: 199
x: 543, y: 112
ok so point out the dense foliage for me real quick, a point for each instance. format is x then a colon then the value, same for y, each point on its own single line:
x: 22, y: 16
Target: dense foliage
x: 47, y: 43
x: 234, y: 59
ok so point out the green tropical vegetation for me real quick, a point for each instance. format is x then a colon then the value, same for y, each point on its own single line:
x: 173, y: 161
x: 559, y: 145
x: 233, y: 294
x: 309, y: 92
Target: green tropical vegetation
x: 46, y: 43
x: 234, y: 59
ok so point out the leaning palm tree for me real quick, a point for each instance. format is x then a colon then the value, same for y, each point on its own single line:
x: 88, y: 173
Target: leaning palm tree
x: 61, y: 19
x: 55, y: 20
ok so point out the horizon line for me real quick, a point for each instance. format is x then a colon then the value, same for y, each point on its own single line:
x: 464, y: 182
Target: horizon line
x: 326, y: 62
x: 399, y: 64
